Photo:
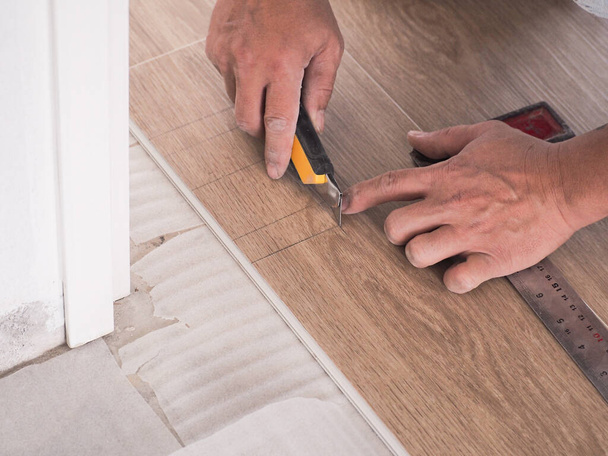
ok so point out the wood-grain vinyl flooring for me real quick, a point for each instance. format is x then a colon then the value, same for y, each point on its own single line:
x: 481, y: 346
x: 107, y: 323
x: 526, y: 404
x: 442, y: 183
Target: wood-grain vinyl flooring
x: 472, y: 374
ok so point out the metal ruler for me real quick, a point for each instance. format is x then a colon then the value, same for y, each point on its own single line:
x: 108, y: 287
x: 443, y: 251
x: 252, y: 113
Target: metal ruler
x: 575, y: 326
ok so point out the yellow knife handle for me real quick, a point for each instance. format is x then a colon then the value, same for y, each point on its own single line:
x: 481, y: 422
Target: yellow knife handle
x: 302, y: 165
x: 308, y: 154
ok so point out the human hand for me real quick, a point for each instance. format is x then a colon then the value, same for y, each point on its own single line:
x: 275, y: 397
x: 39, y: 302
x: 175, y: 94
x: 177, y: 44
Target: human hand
x: 499, y: 202
x: 268, y: 52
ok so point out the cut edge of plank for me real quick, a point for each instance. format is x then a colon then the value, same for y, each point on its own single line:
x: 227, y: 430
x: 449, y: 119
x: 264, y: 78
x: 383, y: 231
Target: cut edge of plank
x: 355, y: 398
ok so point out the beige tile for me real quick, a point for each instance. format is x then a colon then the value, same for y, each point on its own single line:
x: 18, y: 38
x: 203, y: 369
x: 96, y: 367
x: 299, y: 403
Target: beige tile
x: 78, y: 403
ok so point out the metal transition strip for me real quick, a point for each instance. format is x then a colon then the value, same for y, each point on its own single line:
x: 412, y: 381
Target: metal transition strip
x: 360, y: 404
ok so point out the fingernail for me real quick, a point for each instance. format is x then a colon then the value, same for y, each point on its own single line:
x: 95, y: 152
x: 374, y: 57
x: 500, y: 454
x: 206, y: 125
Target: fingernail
x: 320, y: 123
x: 345, y: 201
x: 416, y: 133
x: 273, y: 171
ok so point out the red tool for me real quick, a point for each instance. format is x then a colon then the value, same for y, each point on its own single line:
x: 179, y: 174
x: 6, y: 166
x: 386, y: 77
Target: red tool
x: 538, y: 120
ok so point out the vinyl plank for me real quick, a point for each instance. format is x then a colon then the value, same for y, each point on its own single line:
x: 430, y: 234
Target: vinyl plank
x: 240, y: 210
x: 285, y: 232
x: 161, y: 26
x: 466, y: 61
x: 175, y: 90
x: 222, y: 164
x: 192, y: 134
x: 216, y: 157
x: 472, y: 374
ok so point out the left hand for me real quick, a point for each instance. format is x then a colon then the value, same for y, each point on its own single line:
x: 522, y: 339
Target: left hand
x: 498, y: 202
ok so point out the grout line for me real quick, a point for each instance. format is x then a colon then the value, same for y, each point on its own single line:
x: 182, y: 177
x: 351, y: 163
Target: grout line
x: 351, y: 393
x: 383, y: 90
x: 167, y: 53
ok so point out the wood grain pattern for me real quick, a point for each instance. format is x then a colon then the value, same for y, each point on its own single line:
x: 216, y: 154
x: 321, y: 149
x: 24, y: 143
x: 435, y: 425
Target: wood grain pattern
x: 247, y: 200
x: 472, y: 374
x: 285, y: 232
x: 473, y: 60
x: 175, y: 90
x: 160, y: 26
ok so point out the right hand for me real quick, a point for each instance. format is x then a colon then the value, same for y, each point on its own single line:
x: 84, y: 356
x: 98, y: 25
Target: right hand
x: 267, y: 52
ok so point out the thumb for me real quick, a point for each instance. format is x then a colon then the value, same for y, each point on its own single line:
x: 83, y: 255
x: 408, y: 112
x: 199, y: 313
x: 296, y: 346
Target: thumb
x: 318, y: 85
x: 449, y: 141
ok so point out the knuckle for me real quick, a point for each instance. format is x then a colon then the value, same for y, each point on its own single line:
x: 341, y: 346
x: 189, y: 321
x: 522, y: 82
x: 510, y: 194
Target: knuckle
x: 276, y: 155
x: 276, y: 124
x: 221, y: 62
x: 246, y: 125
x: 283, y: 69
x: 244, y: 56
x: 447, y: 132
x: 209, y: 47
x: 272, y: 154
x: 216, y: 52
x: 458, y: 200
x: 415, y: 252
x: 493, y: 124
x: 462, y: 167
x: 388, y: 182
x: 341, y: 43
x: 451, y: 166
x: 336, y: 47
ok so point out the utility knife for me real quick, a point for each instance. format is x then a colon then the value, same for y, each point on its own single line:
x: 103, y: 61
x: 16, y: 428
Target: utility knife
x: 313, y: 165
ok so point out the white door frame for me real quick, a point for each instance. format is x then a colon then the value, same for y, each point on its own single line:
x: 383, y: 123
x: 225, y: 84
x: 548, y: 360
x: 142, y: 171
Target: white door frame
x: 90, y: 52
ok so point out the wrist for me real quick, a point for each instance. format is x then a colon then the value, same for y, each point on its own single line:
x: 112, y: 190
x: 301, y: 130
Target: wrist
x: 582, y: 178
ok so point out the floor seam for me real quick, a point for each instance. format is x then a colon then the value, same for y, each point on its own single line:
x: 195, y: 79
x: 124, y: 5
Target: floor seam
x: 167, y: 53
x: 271, y: 223
x: 179, y: 127
x: 226, y: 175
x: 337, y: 376
x: 295, y: 243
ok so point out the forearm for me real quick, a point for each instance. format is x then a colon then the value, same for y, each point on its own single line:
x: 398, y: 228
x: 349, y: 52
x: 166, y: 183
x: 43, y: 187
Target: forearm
x: 584, y: 177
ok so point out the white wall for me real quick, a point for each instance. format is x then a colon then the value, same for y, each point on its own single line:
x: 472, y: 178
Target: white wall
x: 31, y: 303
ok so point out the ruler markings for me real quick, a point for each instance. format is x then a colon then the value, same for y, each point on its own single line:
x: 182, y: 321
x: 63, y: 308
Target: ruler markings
x: 571, y: 321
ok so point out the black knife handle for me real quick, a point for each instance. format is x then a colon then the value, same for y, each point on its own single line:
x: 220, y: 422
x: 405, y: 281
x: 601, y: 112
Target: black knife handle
x: 315, y: 153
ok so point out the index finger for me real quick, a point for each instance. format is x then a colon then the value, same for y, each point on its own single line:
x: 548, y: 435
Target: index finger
x: 400, y: 185
x: 280, y: 118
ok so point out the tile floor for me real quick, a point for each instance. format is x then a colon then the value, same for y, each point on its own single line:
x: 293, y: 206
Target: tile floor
x: 210, y: 364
